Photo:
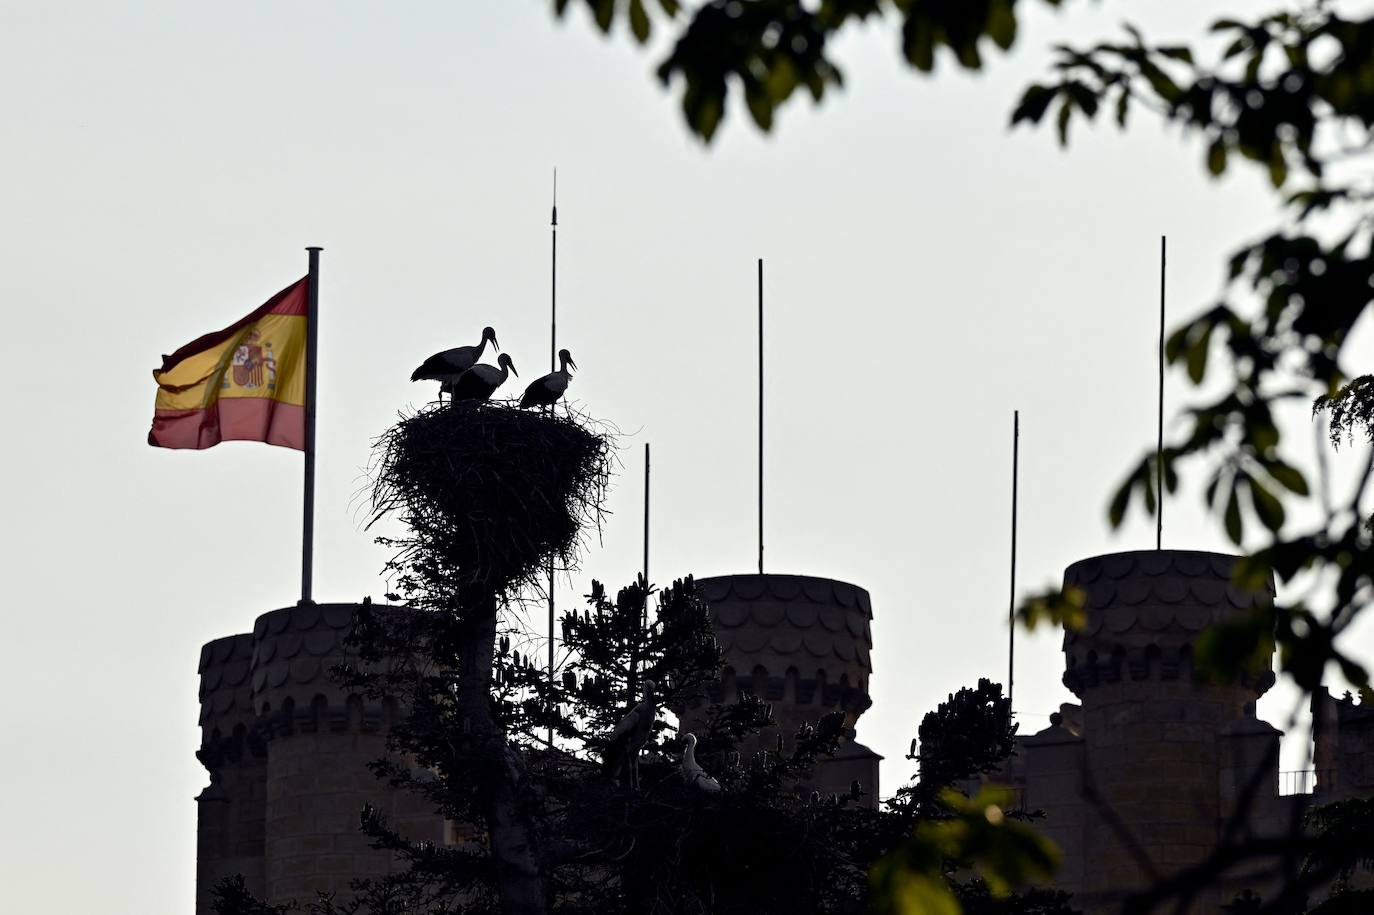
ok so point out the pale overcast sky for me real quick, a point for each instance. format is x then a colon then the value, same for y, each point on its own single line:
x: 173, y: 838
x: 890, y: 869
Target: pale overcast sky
x: 928, y: 272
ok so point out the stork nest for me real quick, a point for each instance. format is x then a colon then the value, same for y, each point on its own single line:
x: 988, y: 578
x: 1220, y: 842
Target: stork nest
x: 492, y: 494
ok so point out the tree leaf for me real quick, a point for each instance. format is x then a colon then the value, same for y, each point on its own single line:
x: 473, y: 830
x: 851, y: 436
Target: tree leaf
x: 603, y: 11
x: 1232, y: 516
x: 1055, y: 607
x: 1278, y: 166
x: 1197, y: 355
x: 1001, y: 23
x: 760, y: 109
x: 1084, y: 97
x: 639, y: 21
x: 1034, y: 101
x: 1287, y: 476
x: 1216, y: 157
x: 1267, y: 506
x: 1121, y: 500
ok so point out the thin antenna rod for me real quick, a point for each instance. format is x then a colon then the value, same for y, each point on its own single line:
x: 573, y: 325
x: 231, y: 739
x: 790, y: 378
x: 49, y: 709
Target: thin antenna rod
x: 553, y: 349
x: 1011, y: 605
x: 646, y: 534
x: 760, y: 416
x: 1159, y: 442
x: 553, y: 281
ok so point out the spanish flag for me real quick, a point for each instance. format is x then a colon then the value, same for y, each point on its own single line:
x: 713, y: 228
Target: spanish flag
x: 244, y: 383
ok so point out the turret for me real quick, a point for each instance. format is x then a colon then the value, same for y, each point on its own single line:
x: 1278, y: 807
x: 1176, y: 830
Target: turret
x: 287, y: 748
x: 1343, y: 735
x: 230, y: 821
x: 801, y: 644
x: 320, y: 739
x: 1164, y: 750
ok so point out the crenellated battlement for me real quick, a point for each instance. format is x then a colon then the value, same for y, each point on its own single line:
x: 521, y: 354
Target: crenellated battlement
x: 1152, y: 662
x: 791, y: 688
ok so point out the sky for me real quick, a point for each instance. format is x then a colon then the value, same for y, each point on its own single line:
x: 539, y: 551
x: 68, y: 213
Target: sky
x: 928, y: 272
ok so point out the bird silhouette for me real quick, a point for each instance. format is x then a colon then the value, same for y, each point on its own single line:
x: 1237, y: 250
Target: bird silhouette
x: 451, y: 363
x: 621, y: 756
x: 545, y: 391
x: 692, y: 772
x: 480, y: 381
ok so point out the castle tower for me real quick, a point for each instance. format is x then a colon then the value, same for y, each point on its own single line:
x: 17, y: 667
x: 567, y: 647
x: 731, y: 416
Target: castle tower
x: 801, y: 644
x: 229, y: 837
x: 292, y: 802
x: 1343, y: 734
x: 1162, y: 751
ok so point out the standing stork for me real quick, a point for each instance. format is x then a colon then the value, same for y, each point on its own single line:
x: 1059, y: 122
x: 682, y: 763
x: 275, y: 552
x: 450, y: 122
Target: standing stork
x: 621, y: 755
x: 480, y: 381
x: 445, y: 367
x: 545, y: 391
x: 692, y: 772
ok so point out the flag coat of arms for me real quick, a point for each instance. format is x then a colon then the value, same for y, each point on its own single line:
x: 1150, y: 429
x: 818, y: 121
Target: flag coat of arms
x: 244, y: 383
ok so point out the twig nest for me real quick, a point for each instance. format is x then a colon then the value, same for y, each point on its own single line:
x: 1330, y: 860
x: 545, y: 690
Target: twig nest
x: 493, y: 491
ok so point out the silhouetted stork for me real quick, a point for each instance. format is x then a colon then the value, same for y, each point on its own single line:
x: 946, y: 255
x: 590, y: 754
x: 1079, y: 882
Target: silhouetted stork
x: 445, y: 367
x: 480, y: 381
x: 545, y: 391
x: 629, y: 737
x: 692, y: 772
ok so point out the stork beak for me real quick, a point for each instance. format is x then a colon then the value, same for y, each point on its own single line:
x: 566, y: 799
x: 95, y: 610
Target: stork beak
x: 494, y: 345
x: 512, y: 369
x: 571, y: 363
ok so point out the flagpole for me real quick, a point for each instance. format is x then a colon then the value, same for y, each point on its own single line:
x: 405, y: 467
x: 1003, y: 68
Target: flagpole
x: 311, y: 374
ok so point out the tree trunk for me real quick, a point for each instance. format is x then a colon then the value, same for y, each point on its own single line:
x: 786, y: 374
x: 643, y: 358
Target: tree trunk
x: 520, y: 878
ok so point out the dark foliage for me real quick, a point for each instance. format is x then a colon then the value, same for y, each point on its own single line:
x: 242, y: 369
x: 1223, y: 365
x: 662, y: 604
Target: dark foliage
x: 767, y: 50
x: 1291, y: 93
x: 1350, y: 410
x: 1343, y: 844
x: 969, y: 735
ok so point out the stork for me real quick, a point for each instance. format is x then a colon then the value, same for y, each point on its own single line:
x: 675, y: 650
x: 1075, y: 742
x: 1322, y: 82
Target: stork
x: 480, y: 381
x: 545, y: 391
x: 445, y: 367
x: 621, y: 755
x: 692, y: 772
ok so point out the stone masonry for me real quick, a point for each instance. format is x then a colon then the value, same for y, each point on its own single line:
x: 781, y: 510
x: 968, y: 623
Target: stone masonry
x: 287, y: 752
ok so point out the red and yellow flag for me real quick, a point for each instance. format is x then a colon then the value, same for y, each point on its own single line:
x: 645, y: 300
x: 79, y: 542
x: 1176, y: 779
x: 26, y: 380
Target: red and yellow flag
x: 243, y: 383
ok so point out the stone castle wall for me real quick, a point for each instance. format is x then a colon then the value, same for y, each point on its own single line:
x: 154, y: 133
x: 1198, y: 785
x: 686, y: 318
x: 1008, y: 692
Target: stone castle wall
x: 284, y: 809
x: 1138, y: 780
